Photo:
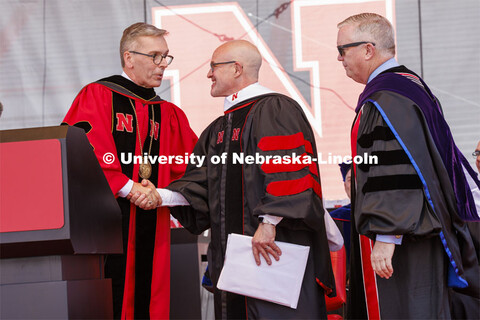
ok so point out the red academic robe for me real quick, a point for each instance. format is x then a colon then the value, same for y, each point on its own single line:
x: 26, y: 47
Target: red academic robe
x: 114, y: 112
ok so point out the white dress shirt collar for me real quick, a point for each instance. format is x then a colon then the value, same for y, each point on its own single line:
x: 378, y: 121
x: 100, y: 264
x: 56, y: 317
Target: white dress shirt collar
x: 246, y: 93
x: 390, y: 63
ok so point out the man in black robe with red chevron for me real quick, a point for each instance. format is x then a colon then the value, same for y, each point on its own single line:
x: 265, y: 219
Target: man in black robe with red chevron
x: 411, y: 246
x: 267, y: 201
x: 123, y: 117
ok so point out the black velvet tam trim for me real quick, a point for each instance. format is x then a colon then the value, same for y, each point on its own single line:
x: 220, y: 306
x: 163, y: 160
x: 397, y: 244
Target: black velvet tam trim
x: 387, y: 158
x: 395, y: 182
x: 378, y: 133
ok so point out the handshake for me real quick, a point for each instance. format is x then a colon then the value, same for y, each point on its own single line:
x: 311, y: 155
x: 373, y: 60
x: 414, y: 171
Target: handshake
x: 145, y: 195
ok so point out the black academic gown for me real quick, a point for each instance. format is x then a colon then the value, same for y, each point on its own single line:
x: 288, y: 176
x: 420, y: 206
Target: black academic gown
x: 407, y: 193
x: 229, y: 198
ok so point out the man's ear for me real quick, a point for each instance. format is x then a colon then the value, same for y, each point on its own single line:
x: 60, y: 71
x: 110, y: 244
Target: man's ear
x: 370, y: 51
x: 238, y: 69
x: 127, y: 58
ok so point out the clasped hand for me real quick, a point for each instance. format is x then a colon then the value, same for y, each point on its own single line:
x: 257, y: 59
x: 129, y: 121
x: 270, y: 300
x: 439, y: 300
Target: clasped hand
x: 144, y: 195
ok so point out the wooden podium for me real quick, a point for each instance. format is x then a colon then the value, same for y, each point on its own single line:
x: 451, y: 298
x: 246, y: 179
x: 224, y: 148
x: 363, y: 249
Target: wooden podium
x: 58, y: 217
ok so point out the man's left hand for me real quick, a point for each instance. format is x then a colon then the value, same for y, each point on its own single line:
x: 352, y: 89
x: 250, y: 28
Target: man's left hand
x: 263, y: 243
x: 381, y: 258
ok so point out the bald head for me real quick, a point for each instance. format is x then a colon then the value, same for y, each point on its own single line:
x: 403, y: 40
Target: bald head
x: 246, y: 54
x: 235, y: 65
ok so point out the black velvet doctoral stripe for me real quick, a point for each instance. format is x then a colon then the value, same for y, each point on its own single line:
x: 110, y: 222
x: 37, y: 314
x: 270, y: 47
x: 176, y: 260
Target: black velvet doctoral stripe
x: 378, y: 133
x: 146, y: 224
x: 234, y: 201
x: 393, y: 182
x: 386, y: 158
x: 234, y: 191
x: 124, y: 141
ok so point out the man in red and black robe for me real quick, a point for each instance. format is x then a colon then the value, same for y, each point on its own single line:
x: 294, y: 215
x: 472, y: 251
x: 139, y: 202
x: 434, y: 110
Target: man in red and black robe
x: 123, y: 117
x: 269, y: 201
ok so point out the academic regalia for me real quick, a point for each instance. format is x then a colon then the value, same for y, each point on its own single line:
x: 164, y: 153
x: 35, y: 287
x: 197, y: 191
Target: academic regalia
x: 229, y: 198
x: 113, y: 112
x: 418, y: 189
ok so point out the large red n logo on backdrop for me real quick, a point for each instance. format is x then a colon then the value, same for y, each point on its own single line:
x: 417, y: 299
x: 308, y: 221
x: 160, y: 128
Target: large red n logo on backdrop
x: 313, y: 27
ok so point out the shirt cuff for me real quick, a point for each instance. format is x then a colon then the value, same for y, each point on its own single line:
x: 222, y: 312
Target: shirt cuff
x: 389, y: 238
x: 126, y: 189
x: 271, y: 219
x: 172, y: 198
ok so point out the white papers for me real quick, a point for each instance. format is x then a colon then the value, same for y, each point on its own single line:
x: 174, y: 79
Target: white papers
x: 279, y: 283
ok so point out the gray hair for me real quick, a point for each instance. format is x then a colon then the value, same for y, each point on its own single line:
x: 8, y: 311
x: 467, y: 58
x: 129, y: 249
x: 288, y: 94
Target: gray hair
x: 375, y: 28
x: 135, y: 31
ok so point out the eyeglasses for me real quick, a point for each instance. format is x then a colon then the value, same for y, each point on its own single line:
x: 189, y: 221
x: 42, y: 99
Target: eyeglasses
x: 213, y: 65
x: 476, y: 153
x: 341, y: 48
x: 157, y: 58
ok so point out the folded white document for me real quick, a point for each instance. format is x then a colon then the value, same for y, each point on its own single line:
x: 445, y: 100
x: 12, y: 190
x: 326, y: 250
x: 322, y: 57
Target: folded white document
x: 279, y: 283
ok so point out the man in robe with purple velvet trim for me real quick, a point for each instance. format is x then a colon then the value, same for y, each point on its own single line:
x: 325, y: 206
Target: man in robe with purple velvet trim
x: 410, y: 241
x: 268, y: 201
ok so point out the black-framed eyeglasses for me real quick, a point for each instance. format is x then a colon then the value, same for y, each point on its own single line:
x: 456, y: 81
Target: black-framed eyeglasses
x: 341, y: 48
x: 157, y: 58
x: 476, y: 153
x: 214, y: 64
